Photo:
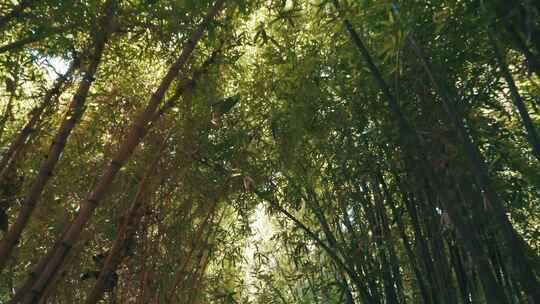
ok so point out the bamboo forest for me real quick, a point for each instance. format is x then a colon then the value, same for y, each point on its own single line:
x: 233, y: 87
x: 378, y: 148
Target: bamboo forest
x: 270, y: 151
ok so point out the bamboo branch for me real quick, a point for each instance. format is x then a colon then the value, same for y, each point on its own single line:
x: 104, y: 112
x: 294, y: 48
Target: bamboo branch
x: 17, y: 144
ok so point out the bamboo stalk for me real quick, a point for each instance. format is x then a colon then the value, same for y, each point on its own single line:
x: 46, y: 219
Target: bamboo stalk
x: 137, y: 131
x: 71, y: 118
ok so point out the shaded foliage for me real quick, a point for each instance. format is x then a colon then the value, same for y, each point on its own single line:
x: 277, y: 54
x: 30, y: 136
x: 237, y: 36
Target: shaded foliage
x: 278, y: 151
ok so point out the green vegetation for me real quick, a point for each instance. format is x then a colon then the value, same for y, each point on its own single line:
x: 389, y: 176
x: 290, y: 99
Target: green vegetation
x: 269, y: 151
